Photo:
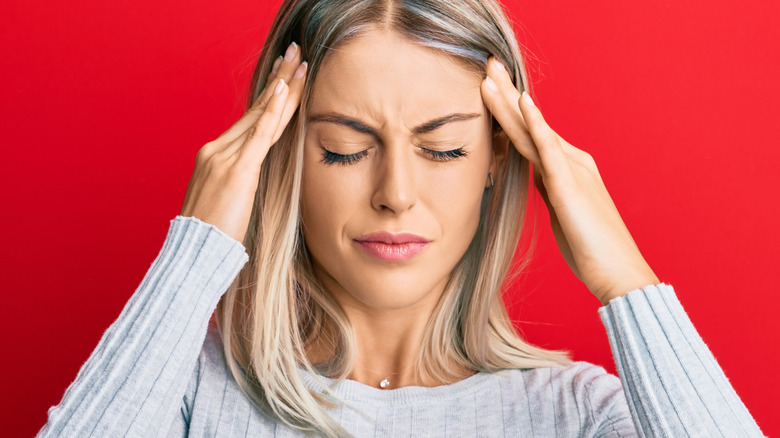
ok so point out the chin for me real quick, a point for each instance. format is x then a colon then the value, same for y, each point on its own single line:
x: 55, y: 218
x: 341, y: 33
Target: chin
x: 395, y: 291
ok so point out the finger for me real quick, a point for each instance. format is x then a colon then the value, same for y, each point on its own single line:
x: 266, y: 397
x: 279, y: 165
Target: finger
x: 286, y: 69
x: 293, y: 99
x: 570, y: 153
x: 500, y: 96
x: 295, y: 85
x: 275, y: 67
x: 248, y: 122
x: 548, y: 144
x: 259, y: 137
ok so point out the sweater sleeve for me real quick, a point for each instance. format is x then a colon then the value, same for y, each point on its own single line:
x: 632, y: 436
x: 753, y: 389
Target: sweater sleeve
x: 133, y: 382
x: 673, y: 384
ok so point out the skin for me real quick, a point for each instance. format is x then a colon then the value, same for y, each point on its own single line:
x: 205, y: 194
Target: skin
x: 393, y: 85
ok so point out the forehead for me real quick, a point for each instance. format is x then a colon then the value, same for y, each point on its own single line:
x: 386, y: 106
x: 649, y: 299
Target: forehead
x: 384, y: 77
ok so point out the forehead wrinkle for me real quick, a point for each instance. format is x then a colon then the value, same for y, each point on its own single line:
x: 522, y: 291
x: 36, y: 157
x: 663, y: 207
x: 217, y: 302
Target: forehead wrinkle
x: 365, y: 111
x: 356, y: 124
x: 378, y: 110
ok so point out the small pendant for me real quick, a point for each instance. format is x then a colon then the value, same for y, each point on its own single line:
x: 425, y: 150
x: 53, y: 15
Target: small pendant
x: 384, y: 383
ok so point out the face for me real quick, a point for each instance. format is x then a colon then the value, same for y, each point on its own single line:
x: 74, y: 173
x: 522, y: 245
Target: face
x: 397, y: 154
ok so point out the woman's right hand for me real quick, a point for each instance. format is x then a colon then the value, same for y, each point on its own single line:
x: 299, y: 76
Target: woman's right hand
x: 223, y: 185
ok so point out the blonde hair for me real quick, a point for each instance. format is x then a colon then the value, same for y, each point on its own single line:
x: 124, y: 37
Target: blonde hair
x: 277, y: 306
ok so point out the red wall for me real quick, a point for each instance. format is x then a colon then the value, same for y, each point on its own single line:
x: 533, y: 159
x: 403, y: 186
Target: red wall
x: 104, y: 105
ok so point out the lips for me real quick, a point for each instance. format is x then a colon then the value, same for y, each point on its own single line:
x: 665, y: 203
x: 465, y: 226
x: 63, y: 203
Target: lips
x: 392, y: 247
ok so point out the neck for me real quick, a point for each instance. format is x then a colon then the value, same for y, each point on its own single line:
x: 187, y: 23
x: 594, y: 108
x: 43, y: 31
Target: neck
x: 388, y: 343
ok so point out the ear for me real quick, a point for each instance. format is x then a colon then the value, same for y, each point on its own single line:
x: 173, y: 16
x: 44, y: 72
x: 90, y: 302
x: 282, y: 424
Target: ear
x: 500, y: 151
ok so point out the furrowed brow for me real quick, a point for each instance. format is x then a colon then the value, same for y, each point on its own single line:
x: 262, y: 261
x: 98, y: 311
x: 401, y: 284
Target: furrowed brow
x: 441, y: 121
x: 339, y: 119
x: 362, y: 127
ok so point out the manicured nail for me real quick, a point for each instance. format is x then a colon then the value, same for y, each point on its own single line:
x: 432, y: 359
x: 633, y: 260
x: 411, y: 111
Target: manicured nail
x: 279, y: 86
x: 499, y: 65
x: 527, y: 98
x: 301, y: 69
x: 490, y: 84
x: 290, y: 54
x: 275, y: 67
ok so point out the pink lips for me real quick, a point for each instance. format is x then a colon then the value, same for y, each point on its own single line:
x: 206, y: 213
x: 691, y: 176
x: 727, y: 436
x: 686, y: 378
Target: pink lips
x: 392, y: 247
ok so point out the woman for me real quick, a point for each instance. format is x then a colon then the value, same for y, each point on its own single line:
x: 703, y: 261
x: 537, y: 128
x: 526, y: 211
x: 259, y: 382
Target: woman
x: 376, y: 187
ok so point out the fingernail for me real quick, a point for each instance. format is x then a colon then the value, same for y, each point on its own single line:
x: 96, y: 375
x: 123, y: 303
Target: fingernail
x: 527, y: 98
x: 279, y: 86
x: 301, y: 69
x: 275, y: 68
x: 490, y: 84
x: 499, y: 65
x: 290, y: 54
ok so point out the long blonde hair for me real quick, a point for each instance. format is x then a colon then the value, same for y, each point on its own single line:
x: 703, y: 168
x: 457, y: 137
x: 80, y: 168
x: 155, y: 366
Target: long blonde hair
x: 277, y: 306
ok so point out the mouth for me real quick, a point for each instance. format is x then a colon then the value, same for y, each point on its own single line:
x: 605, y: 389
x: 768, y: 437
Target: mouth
x: 392, y: 247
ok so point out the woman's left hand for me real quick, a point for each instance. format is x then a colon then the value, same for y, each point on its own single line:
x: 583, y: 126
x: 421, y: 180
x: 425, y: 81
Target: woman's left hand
x: 590, y: 233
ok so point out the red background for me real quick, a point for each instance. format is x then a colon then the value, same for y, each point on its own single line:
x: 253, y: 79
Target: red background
x: 104, y: 105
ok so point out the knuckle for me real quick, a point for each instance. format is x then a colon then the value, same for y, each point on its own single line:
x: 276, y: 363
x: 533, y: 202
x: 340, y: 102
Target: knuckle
x: 585, y: 156
x: 259, y: 104
x: 209, y: 147
x: 206, y: 152
x: 588, y: 159
x: 587, y: 162
x: 253, y: 132
x: 260, y: 129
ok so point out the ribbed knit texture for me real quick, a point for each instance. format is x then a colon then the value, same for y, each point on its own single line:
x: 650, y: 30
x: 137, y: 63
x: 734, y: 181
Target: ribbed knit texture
x: 152, y: 374
x: 666, y: 366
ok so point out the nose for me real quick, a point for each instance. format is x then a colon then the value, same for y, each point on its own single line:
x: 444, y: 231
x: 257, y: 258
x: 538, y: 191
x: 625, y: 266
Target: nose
x: 395, y: 190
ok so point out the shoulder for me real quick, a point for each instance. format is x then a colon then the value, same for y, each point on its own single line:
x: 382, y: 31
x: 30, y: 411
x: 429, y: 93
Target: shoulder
x: 580, y: 396
x: 581, y: 380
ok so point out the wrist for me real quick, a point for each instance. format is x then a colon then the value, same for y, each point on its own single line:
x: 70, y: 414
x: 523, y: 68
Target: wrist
x: 624, y: 287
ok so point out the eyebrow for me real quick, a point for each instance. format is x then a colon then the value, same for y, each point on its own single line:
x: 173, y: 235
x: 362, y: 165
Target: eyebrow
x: 359, y: 126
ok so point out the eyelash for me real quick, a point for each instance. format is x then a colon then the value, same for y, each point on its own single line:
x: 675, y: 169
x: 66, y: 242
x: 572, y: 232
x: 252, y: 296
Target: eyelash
x: 329, y: 157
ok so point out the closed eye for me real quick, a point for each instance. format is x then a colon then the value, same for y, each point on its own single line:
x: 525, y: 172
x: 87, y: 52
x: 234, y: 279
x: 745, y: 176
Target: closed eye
x: 449, y: 155
x: 329, y: 157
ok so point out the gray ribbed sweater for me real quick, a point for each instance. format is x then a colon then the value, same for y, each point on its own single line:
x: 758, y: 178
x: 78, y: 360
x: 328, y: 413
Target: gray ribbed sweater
x: 152, y: 374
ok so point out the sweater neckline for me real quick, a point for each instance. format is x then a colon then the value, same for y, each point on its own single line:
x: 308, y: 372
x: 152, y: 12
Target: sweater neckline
x: 353, y: 390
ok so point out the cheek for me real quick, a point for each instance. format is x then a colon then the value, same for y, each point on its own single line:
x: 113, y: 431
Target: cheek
x: 319, y: 205
x: 455, y: 197
x: 327, y: 201
x: 448, y: 200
